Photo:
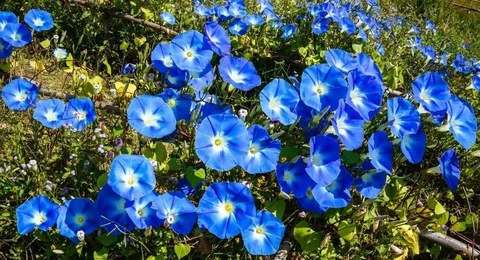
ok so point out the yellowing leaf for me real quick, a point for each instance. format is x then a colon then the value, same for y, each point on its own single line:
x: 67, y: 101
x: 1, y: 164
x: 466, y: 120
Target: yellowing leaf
x: 121, y: 92
x: 37, y: 65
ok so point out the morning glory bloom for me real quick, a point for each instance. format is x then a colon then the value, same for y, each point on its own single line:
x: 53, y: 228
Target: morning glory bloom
x: 6, y: 49
x: 324, y: 161
x: 462, y: 122
x: 201, y: 10
x: 362, y: 35
x: 371, y: 183
x: 278, y: 101
x: 167, y: 17
x: 461, y: 64
x: 430, y: 26
x: 6, y: 17
x: 320, y: 26
x: 413, y: 146
x: 177, y: 78
x: 263, y: 153
x: 38, y: 212
x: 416, y: 43
x: 432, y: 92
x: 190, y: 51
x: 17, y: 34
x: 49, y: 112
x: 128, y: 68
x: 444, y: 59
x: 414, y: 30
x: 288, y: 31
x: 293, y: 178
x: 208, y: 109
x: 218, y: 38
x: 475, y: 82
x: 308, y: 202
x: 181, y: 104
x: 254, y: 20
x: 403, y: 117
x: 429, y: 53
x: 202, y: 80
x: 222, y: 12
x: 222, y: 141
x: 349, y: 126
x: 111, y: 212
x: 151, y: 116
x: 380, y: 49
x: 20, y: 94
x: 450, y: 168
x: 239, y: 72
x: 238, y: 27
x: 131, y: 176
x: 162, y: 59
x: 141, y: 212
x: 346, y: 25
x: 39, y: 20
x: 380, y: 150
x: 337, y: 194
x: 322, y: 86
x: 341, y: 59
x: 367, y: 66
x: 80, y: 112
x: 226, y: 208
x: 60, y: 54
x: 237, y: 10
x: 176, y: 211
x: 264, y: 235
x: 364, y: 94
x: 265, y: 5
x: 75, y: 215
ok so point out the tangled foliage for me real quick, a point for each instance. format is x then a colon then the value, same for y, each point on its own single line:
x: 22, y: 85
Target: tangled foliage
x: 334, y: 129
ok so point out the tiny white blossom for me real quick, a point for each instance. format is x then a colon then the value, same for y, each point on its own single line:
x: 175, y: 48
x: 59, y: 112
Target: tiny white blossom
x: 81, y: 235
x: 242, y: 113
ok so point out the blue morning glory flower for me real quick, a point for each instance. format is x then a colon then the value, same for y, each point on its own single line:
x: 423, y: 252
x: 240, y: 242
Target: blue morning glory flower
x: 238, y: 27
x: 364, y: 94
x: 362, y: 35
x: 202, y: 80
x: 254, y: 20
x: 462, y: 122
x: 444, y: 59
x: 201, y: 10
x: 60, y: 54
x: 324, y: 161
x: 308, y: 202
x: 367, y: 66
x: 77, y: 215
x: 432, y: 92
x: 475, y: 81
x: 5, y: 18
x: 49, y: 112
x: 461, y: 64
x: 341, y: 59
x: 190, y: 51
x: 380, y: 150
x: 126, y: 69
x: 403, y: 116
x: 263, y: 153
x: 237, y: 10
x: 371, y: 183
x: 222, y: 141
x: 222, y: 12
x: 38, y: 212
x: 288, y: 31
x: 141, y: 211
x: 450, y: 168
x: 337, y: 194
x: 151, y: 116
x: 111, y: 212
x: 416, y: 43
x: 17, y: 34
x: 177, y: 78
x: 429, y: 53
x: 167, y: 17
x: 320, y: 26
x: 278, y: 101
x: 293, y: 178
x: 379, y: 48
x: 413, y: 146
x: 347, y: 25
x: 39, y: 20
x: 430, y: 26
x: 131, y: 176
x: 20, y: 94
x: 265, y: 5
x: 322, y: 86
x: 181, y: 105
x: 218, y: 38
x: 226, y: 208
x: 80, y: 112
x: 349, y: 126
x: 208, y: 109
x: 264, y: 235
x: 175, y: 210
x: 239, y: 72
x: 6, y: 49
x: 162, y: 59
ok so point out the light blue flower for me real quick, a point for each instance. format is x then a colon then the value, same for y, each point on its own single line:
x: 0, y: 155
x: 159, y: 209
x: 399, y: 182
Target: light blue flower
x: 279, y: 100
x: 77, y: 215
x: 450, y: 168
x: 17, y: 34
x: 167, y: 17
x: 380, y: 150
x: 403, y: 117
x: 324, y: 161
x: 293, y: 178
x: 176, y: 211
x: 38, y: 212
x: 413, y: 146
x: 49, y: 112
x: 181, y: 104
x: 239, y: 72
x: 39, y: 20
x: 6, y: 49
x: 254, y: 20
x: 218, y: 38
x: 111, y: 212
x: 5, y: 18
x: 190, y: 51
x: 238, y: 27
x: 142, y: 213
x: 341, y: 59
x: 364, y: 94
x: 370, y: 183
x: 289, y: 31
x: 20, y: 94
x: 264, y: 235
x: 462, y: 122
x: 60, y: 54
x: 336, y: 194
x: 80, y: 112
x: 349, y: 126
x: 263, y: 154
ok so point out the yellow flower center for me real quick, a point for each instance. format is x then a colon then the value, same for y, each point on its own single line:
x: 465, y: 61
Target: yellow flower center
x: 189, y: 54
x: 228, y: 208
x: 171, y: 102
x: 287, y: 176
x: 22, y: 97
x: 140, y: 212
x: 309, y: 193
x: 253, y: 150
x: 320, y: 90
x: 43, y: 218
x: 218, y: 141
x: 259, y: 230
x: 80, y: 219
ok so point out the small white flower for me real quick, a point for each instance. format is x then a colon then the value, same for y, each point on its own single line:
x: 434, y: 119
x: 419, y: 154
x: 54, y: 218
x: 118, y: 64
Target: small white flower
x: 81, y: 235
x: 113, y: 92
x: 82, y: 77
x: 56, y: 37
x: 242, y: 113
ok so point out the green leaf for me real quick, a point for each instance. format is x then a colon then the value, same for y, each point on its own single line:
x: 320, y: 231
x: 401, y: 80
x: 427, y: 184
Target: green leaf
x: 109, y: 68
x: 346, y: 230
x: 173, y: 165
x: 195, y: 177
x: 308, y: 239
x: 181, y: 250
x: 139, y: 41
x: 276, y: 207
x: 459, y: 227
x: 476, y: 153
x: 350, y: 157
x: 101, y: 254
x: 117, y: 130
x: 58, y: 252
x: 107, y: 239
x: 124, y: 46
x: 471, y: 219
x: 102, y: 180
x: 45, y: 44
x: 289, y: 152
x: 439, y: 209
x: 161, y: 152
x: 69, y: 61
x: 357, y: 48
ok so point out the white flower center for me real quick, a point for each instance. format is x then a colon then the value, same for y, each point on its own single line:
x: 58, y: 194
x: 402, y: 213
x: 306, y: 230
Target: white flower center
x: 130, y: 178
x: 168, y: 62
x: 80, y: 115
x: 39, y: 218
x: 150, y: 119
x: 51, y: 116
x: 170, y: 219
x: 38, y: 22
x: 237, y: 77
x: 21, y: 96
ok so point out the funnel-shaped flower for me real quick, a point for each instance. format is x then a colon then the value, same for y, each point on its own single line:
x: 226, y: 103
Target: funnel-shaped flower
x: 462, y: 122
x: 293, y: 178
x: 175, y: 210
x: 111, y: 212
x: 39, y: 20
x: 17, y: 34
x: 181, y: 104
x: 190, y: 51
x: 141, y: 212
x: 6, y: 49
x: 167, y: 17
x: 263, y: 153
x: 238, y: 27
x: 80, y: 112
x: 380, y: 150
x: 337, y: 194
x: 38, y: 212
x: 450, y: 168
x: 413, y: 146
x: 403, y: 116
x: 49, y: 112
x: 278, y: 101
x: 226, y: 209
x: 364, y: 94
x: 324, y: 161
x: 75, y: 215
x: 239, y: 72
x: 151, y: 116
x: 371, y: 183
x: 349, y: 126
x: 432, y: 92
x: 218, y: 38
x: 162, y: 58
x: 264, y: 235
x: 20, y: 94
x: 367, y: 66
x: 7, y: 17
